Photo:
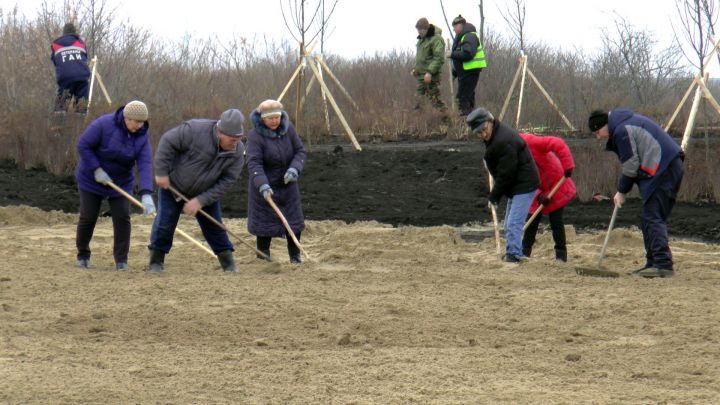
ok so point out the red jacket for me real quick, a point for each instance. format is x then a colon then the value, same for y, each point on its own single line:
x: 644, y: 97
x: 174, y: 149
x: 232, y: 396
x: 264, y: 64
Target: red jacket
x: 552, y: 157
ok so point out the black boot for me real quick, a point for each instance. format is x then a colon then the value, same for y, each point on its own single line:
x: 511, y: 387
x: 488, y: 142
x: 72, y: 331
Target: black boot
x: 561, y: 255
x: 157, y: 261
x: 227, y: 261
x: 293, y: 249
x: 263, y: 245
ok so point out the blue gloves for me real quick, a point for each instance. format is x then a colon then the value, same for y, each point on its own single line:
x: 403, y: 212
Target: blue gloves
x: 148, y: 204
x: 266, y: 191
x: 291, y: 175
x: 101, y: 176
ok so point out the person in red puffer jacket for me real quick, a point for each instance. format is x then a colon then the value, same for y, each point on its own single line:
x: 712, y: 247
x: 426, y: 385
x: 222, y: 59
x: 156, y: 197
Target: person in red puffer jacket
x: 554, y: 161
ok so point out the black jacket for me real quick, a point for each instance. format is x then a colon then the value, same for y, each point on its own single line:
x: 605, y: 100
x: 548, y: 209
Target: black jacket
x: 510, y: 162
x: 464, y: 51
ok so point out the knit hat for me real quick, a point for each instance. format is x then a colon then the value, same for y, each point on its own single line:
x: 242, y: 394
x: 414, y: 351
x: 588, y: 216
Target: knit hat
x: 476, y: 120
x: 597, y: 120
x: 459, y: 20
x: 270, y: 108
x: 69, y: 28
x: 136, y: 110
x: 231, y: 122
x: 422, y: 24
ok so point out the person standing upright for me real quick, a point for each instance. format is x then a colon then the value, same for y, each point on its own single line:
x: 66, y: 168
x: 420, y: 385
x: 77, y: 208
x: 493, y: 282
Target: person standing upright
x: 511, y: 165
x: 468, y: 60
x: 69, y: 55
x: 429, y: 59
x: 650, y: 158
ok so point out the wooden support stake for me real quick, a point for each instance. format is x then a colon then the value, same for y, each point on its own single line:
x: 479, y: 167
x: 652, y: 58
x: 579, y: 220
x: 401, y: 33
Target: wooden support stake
x: 522, y: 90
x: 93, y: 62
x: 102, y: 87
x: 510, y: 92
x: 333, y: 103
x: 337, y: 82
x: 290, y: 82
x: 550, y: 100
x: 682, y: 102
x: 691, y: 119
x: 450, y: 77
x: 709, y: 97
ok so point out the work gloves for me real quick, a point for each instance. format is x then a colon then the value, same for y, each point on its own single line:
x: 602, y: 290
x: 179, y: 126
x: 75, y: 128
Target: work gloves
x: 266, y: 191
x: 101, y: 176
x: 568, y: 172
x: 290, y: 175
x: 543, y: 199
x: 148, y: 204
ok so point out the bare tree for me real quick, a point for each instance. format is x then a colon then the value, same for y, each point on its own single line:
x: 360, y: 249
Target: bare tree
x: 696, y: 22
x: 515, y: 17
x: 481, y: 26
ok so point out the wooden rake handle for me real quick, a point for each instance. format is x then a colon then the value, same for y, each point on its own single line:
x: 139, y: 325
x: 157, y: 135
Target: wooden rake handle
x: 221, y: 225
x: 286, y: 225
x: 540, y: 207
x: 178, y: 230
x: 607, y: 237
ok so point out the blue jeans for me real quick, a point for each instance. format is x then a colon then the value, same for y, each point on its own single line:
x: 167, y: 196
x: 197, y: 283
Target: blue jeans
x: 515, y: 214
x: 168, y: 214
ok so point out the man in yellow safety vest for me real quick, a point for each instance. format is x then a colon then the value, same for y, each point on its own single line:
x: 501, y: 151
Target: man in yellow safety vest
x: 468, y: 59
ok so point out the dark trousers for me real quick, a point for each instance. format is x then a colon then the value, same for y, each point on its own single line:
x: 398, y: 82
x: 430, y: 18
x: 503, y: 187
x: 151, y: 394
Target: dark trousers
x: 89, y: 212
x: 655, y: 212
x: 75, y: 91
x: 467, y: 81
x: 263, y: 244
x: 168, y: 214
x: 557, y: 225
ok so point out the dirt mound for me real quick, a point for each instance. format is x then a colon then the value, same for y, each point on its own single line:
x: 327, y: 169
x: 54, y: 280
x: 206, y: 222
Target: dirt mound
x: 24, y: 215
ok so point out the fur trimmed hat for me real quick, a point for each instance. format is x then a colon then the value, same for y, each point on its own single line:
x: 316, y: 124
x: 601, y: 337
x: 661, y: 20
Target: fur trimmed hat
x: 136, y: 110
x: 270, y: 108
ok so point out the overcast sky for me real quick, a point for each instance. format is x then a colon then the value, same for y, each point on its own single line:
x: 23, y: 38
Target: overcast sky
x: 367, y: 26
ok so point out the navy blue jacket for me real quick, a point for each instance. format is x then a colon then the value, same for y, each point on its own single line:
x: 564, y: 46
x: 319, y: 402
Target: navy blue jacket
x: 270, y: 154
x: 108, y: 144
x: 69, y: 55
x: 645, y: 150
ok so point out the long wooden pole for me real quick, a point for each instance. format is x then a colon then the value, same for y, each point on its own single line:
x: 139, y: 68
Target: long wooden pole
x: 522, y: 90
x: 290, y: 82
x: 550, y: 100
x: 493, y: 213
x: 221, y: 225
x: 104, y: 90
x: 450, y: 77
x: 178, y: 230
x: 336, y: 80
x: 691, y: 119
x: 540, y: 207
x: 510, y: 92
x: 333, y: 103
x: 286, y: 225
x: 93, y: 62
x: 607, y: 237
x: 682, y: 102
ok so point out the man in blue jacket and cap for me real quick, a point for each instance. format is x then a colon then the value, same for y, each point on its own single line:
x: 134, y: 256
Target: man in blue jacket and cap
x: 651, y: 159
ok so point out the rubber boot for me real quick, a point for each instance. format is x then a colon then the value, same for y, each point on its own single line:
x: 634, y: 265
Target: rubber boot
x: 157, y: 261
x: 227, y: 261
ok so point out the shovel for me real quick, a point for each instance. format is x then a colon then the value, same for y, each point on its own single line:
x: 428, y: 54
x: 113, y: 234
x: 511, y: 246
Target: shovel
x: 599, y: 271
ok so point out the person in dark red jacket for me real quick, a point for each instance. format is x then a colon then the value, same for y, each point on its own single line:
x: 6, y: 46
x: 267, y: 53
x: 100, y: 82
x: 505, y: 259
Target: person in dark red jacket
x: 109, y: 150
x: 276, y: 157
x: 69, y: 55
x: 554, y: 162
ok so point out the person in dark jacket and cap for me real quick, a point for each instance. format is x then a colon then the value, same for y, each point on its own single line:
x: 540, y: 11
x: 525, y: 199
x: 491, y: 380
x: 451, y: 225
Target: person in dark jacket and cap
x: 468, y: 60
x: 276, y: 157
x: 69, y: 55
x: 510, y: 163
x: 650, y: 158
x: 109, y: 150
x: 201, y: 159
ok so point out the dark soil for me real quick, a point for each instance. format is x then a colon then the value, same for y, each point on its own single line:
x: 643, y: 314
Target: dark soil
x: 399, y: 184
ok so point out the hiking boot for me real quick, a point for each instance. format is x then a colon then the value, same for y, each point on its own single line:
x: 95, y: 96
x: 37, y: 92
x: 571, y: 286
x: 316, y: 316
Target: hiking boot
x: 267, y: 253
x: 654, y: 272
x: 122, y: 266
x: 83, y: 263
x: 295, y: 259
x: 157, y: 261
x: 227, y: 261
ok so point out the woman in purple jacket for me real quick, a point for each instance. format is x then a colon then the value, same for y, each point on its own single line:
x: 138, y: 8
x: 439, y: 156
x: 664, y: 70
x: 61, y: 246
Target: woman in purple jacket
x: 275, y: 156
x: 109, y: 149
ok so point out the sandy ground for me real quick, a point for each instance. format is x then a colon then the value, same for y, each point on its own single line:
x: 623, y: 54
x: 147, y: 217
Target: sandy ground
x: 381, y: 315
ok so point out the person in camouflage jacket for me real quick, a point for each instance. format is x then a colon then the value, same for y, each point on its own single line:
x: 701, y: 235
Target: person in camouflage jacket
x: 429, y: 61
